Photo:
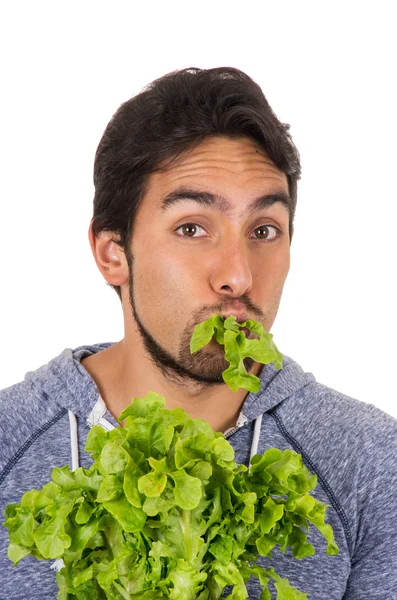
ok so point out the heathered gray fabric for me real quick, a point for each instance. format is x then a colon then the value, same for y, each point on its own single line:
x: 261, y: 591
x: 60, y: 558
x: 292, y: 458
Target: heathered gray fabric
x: 351, y: 446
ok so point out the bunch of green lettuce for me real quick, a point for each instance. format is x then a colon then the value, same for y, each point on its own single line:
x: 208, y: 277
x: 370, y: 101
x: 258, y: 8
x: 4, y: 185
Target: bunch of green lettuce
x: 165, y: 512
x: 229, y: 334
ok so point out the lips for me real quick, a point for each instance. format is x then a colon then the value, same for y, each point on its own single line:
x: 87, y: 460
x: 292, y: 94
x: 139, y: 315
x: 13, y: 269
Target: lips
x: 240, y: 317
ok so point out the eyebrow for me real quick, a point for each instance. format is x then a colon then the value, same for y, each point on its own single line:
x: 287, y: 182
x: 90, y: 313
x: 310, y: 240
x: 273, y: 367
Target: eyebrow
x: 220, y: 203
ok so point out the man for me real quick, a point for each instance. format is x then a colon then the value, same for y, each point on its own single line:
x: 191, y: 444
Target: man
x: 195, y: 194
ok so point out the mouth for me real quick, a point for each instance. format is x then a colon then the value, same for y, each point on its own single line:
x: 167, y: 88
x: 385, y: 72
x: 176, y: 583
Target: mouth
x: 240, y: 317
x: 247, y: 332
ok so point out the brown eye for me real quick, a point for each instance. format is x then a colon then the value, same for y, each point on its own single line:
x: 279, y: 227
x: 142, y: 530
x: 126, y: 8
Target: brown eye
x: 266, y: 232
x: 189, y: 229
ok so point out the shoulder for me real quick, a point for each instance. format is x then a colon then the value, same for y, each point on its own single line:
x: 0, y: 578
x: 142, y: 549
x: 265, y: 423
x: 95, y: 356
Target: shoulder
x: 37, y: 403
x: 351, y: 444
x: 25, y: 411
x: 352, y: 447
x: 325, y: 413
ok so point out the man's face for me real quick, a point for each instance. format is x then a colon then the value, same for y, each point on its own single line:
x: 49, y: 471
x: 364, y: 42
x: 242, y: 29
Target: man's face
x: 211, y: 236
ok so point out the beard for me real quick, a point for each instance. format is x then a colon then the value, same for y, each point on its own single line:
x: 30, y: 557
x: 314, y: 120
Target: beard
x: 203, y: 368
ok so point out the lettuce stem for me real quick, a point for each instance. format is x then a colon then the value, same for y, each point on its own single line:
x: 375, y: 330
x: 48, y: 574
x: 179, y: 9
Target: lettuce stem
x: 187, y: 534
x: 122, y: 591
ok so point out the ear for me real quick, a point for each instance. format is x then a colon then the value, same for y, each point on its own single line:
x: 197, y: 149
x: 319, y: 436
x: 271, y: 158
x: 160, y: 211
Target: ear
x: 109, y: 256
x: 292, y: 234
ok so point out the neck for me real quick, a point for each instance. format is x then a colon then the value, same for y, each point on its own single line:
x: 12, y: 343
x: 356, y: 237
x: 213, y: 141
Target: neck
x: 122, y: 373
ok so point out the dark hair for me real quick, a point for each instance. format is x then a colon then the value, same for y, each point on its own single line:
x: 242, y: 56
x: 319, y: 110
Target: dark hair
x: 171, y: 116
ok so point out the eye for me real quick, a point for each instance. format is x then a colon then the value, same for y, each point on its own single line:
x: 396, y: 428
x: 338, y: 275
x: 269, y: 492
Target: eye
x: 190, y: 230
x: 267, y: 232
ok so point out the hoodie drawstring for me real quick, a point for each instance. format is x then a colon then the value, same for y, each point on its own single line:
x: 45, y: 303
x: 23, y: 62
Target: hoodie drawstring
x: 256, y: 436
x: 74, y: 440
x: 94, y: 418
x: 58, y: 564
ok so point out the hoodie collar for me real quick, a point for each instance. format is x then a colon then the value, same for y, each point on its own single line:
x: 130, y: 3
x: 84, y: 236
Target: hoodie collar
x: 66, y: 381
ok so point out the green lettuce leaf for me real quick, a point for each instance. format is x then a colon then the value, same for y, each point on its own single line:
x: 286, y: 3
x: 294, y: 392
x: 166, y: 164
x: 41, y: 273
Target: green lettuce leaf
x: 228, y: 333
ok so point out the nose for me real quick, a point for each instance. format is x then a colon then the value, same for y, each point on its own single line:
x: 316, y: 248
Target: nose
x: 231, y: 273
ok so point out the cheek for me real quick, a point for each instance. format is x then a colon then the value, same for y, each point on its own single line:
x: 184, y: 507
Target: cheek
x: 282, y: 267
x: 164, y: 282
x: 270, y: 276
x: 166, y: 291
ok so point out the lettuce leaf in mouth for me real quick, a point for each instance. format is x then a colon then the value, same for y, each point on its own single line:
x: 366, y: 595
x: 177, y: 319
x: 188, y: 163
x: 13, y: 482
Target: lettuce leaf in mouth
x: 164, y: 511
x: 229, y: 334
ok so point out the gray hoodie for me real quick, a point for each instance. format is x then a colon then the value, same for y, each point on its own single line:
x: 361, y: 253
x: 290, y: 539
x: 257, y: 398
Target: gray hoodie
x: 351, y: 446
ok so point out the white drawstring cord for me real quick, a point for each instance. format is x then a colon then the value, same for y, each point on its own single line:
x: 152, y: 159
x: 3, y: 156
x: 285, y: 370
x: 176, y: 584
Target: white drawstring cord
x: 94, y: 418
x: 74, y: 446
x: 74, y: 441
x: 255, y: 438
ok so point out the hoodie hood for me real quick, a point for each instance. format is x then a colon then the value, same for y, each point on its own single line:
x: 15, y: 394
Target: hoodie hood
x: 65, y: 381
x: 276, y: 386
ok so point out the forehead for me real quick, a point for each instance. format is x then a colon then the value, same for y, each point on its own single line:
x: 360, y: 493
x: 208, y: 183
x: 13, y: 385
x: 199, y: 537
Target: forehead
x: 235, y: 169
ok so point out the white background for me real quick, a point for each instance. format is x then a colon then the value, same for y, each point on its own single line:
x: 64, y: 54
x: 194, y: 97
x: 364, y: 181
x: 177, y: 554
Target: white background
x: 328, y: 69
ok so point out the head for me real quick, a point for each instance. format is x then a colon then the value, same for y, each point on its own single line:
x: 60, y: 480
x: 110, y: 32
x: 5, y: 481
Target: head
x: 205, y: 140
